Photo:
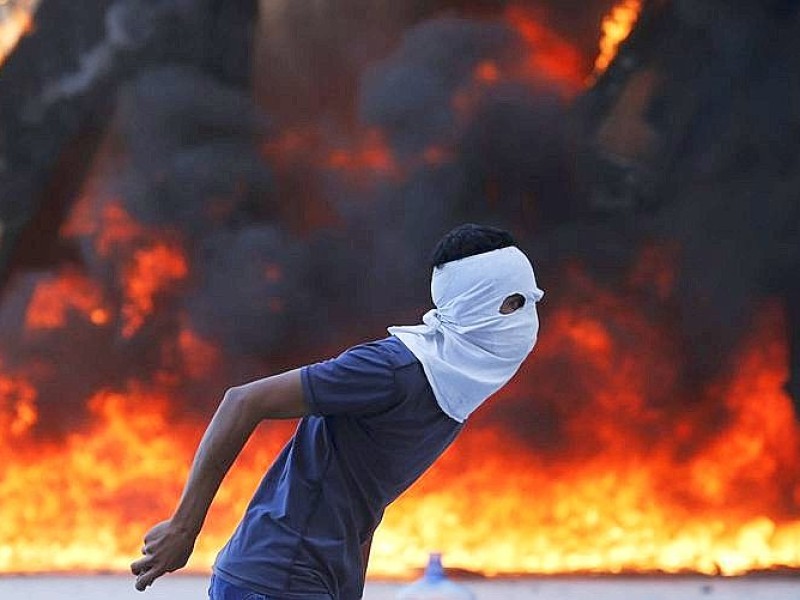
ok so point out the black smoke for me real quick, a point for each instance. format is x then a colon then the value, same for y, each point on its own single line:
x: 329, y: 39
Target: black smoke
x: 290, y: 259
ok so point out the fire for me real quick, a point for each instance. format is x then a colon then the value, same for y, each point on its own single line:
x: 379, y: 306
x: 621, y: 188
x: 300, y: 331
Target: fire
x: 594, y: 459
x: 365, y: 154
x: 199, y: 355
x: 545, y: 57
x: 57, y: 296
x: 18, y: 411
x: 152, y: 271
x: 633, y: 504
x: 654, y: 270
x: 628, y: 485
x: 16, y: 20
x: 150, y: 265
x: 548, y: 54
x: 616, y: 27
x: 83, y: 504
x: 109, y: 225
x: 370, y: 155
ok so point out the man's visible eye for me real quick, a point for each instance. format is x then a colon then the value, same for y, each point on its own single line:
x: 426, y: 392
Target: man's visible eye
x: 512, y: 303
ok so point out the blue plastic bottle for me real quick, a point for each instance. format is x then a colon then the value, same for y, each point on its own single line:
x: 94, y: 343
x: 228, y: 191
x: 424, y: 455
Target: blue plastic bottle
x: 434, y: 585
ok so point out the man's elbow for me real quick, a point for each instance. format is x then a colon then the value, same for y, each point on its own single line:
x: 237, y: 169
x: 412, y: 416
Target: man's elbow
x: 238, y: 401
x: 235, y: 396
x: 277, y: 397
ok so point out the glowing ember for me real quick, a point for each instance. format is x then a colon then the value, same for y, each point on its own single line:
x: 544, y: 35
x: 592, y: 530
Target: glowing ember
x: 16, y: 20
x: 57, y: 296
x: 616, y: 27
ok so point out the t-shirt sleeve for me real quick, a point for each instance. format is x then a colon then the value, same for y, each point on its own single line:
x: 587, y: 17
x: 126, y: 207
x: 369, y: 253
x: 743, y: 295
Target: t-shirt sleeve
x: 359, y: 381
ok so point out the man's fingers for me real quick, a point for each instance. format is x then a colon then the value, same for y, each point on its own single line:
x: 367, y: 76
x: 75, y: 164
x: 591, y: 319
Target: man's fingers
x: 141, y: 565
x: 147, y: 578
x: 142, y: 582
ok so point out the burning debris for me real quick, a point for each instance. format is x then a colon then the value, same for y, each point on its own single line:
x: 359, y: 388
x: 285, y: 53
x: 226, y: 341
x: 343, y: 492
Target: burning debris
x: 212, y: 242
x: 617, y: 25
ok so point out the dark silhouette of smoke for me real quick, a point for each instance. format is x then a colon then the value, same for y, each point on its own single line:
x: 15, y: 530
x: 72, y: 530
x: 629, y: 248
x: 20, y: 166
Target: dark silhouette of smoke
x: 409, y: 94
x: 271, y: 283
x: 311, y: 56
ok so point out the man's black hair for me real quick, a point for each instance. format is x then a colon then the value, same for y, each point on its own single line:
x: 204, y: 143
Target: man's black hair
x: 467, y: 240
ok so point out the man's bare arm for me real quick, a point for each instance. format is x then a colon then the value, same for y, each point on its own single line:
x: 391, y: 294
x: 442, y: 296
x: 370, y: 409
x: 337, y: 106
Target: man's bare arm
x: 168, y: 545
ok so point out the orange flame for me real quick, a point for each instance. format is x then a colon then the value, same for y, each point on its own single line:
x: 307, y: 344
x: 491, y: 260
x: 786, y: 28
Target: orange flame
x: 621, y: 496
x: 371, y: 154
x: 494, y: 506
x: 368, y: 152
x: 55, y: 297
x: 16, y: 20
x: 110, y: 226
x: 153, y: 270
x: 152, y: 266
x: 616, y: 27
x: 18, y: 411
x: 548, y: 54
x: 630, y: 485
x: 200, y: 356
x: 82, y: 505
x: 545, y: 57
x: 368, y: 156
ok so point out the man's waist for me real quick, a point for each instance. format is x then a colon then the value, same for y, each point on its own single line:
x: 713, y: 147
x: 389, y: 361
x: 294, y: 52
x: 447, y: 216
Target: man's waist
x: 268, y: 592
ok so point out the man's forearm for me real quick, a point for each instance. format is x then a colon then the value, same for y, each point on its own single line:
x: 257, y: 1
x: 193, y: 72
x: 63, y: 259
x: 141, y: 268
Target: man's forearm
x: 222, y: 442
x: 168, y: 545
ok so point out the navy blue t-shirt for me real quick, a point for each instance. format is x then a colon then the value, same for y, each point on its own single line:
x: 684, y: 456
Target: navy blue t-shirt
x: 374, y: 428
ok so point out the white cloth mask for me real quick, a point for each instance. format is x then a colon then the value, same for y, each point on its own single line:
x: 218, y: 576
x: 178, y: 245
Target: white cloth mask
x: 467, y: 347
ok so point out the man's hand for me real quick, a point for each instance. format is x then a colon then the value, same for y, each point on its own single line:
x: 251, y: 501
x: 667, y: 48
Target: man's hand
x: 166, y: 548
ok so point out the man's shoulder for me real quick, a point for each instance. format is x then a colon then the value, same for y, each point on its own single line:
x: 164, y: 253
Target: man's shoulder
x: 363, y: 380
x: 395, y: 360
x: 387, y: 354
x: 395, y: 352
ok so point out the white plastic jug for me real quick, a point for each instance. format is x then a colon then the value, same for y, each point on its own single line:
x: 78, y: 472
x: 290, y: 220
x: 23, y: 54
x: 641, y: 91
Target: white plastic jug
x: 434, y: 585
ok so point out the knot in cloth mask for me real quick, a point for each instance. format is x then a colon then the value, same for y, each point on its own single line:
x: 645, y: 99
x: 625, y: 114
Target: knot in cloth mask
x: 467, y: 347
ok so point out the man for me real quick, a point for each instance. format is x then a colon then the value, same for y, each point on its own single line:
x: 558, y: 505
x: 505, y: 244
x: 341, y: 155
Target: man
x: 373, y: 420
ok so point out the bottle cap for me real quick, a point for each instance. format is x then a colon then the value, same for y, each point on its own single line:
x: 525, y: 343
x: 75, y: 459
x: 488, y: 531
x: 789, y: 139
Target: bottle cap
x: 434, y: 570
